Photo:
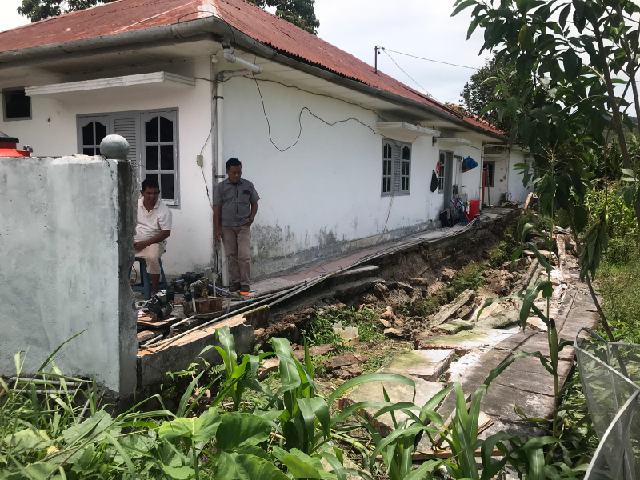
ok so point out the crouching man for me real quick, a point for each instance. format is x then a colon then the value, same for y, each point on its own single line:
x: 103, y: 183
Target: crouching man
x: 152, y: 229
x: 235, y: 204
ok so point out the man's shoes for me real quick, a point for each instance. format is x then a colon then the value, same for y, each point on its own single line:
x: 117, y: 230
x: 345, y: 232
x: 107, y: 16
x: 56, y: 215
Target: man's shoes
x: 245, y: 290
x: 234, y: 288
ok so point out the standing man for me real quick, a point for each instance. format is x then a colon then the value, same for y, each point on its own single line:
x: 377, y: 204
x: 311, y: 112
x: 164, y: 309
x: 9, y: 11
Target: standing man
x: 235, y: 204
x: 152, y: 229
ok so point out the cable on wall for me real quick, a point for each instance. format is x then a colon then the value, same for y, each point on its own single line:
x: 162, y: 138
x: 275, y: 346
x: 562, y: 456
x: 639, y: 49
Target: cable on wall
x: 300, y: 127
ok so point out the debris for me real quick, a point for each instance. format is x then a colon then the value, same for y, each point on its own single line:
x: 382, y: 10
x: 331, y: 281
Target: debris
x: 369, y: 298
x: 157, y: 324
x: 267, y: 366
x: 388, y: 313
x: 145, y: 335
x: 393, y: 332
x: 449, y: 311
x: 425, y: 364
x: 348, y: 334
x: 447, y: 274
x: 380, y: 290
x: 341, y: 361
x: 384, y: 323
x: 419, y: 281
x: 454, y: 326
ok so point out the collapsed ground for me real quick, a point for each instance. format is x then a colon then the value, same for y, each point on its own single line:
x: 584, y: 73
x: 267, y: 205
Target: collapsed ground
x: 452, y: 323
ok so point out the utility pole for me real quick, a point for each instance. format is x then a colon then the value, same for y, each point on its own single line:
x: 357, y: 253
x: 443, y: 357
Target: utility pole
x: 376, y: 50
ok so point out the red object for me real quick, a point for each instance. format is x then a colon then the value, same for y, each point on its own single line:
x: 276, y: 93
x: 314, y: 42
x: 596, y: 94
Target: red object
x: 474, y: 209
x: 9, y: 147
x: 118, y: 18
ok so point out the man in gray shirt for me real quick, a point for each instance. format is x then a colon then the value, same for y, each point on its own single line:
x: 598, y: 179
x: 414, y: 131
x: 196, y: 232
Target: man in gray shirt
x: 235, y: 204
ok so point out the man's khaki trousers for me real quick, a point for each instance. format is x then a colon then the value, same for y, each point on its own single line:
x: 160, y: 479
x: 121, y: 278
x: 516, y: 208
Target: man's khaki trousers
x: 237, y: 247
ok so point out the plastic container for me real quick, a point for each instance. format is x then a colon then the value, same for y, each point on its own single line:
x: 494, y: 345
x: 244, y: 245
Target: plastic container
x: 474, y: 209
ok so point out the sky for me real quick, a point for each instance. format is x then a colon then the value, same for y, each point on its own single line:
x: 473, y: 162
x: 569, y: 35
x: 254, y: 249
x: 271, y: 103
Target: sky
x: 422, y: 28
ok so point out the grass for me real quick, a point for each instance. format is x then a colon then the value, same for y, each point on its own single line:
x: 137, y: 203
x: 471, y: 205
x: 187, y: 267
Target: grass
x: 320, y: 328
x: 619, y: 284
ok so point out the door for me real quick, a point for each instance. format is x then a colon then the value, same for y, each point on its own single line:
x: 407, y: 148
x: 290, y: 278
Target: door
x: 447, y: 174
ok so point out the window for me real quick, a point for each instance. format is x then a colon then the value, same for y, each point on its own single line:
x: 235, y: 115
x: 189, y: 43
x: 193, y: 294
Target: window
x: 488, y: 172
x: 160, y: 151
x: 15, y: 104
x: 396, y: 168
x: 386, y: 168
x: 92, y: 131
x: 405, y: 171
x: 153, y: 143
x: 442, y: 162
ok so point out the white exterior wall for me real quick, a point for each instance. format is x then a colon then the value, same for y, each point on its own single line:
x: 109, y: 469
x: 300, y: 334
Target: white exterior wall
x: 517, y: 191
x: 52, y: 132
x: 327, y: 188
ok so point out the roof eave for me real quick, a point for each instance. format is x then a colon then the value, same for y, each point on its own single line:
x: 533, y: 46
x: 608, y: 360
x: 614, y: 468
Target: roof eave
x: 206, y: 27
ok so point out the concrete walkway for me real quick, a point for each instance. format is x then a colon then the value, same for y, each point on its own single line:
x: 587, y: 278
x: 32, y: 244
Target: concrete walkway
x: 523, y: 390
x: 335, y: 264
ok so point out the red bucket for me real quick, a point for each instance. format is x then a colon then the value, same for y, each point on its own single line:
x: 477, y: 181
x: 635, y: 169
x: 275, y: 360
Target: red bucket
x: 474, y: 209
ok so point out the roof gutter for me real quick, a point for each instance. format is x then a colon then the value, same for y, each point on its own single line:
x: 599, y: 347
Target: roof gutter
x: 204, y: 28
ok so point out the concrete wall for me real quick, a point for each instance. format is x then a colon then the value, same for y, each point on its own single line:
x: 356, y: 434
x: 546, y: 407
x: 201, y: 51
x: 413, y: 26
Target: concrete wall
x: 517, y: 191
x: 52, y: 131
x: 66, y: 231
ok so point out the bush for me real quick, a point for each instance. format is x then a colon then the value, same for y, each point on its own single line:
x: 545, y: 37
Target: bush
x: 620, y: 250
x: 621, y: 217
x: 619, y: 285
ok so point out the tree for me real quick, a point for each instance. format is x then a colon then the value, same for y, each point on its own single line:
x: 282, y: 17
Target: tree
x: 299, y: 12
x: 577, y: 63
x: 493, y: 84
x: 37, y: 10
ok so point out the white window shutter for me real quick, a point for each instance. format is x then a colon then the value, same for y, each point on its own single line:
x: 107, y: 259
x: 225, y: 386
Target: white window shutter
x: 127, y: 126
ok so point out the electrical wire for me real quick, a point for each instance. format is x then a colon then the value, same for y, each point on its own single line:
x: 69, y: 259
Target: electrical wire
x: 430, y: 59
x: 424, y: 90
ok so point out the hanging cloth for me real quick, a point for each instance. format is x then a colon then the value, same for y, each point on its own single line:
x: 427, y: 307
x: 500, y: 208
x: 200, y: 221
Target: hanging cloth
x: 468, y: 164
x: 433, y: 186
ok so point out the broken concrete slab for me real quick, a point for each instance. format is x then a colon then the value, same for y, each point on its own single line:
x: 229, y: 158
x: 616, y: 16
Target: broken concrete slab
x: 398, y: 392
x: 454, y: 326
x: 449, y: 311
x: 425, y: 364
x: 146, y: 335
x: 347, y: 291
x: 464, y: 341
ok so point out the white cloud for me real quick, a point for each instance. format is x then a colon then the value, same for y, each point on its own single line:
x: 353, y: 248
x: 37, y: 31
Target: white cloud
x: 422, y: 28
x: 9, y: 17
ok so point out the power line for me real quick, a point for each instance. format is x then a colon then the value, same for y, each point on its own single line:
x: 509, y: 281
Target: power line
x: 432, y: 60
x: 405, y: 72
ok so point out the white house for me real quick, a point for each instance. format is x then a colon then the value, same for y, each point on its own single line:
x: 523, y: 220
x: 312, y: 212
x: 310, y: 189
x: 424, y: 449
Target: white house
x: 341, y: 155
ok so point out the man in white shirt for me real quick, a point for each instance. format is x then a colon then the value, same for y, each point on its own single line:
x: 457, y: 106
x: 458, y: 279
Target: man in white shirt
x: 152, y: 229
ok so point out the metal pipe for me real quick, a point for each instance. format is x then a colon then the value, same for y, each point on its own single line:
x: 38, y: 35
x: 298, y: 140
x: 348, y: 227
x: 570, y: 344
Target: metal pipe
x: 228, y: 54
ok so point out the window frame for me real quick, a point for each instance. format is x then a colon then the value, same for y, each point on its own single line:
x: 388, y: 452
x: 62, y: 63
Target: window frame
x: 5, y: 91
x: 145, y: 117
x: 399, y: 182
x: 491, y: 174
x: 140, y: 163
x: 442, y: 161
x: 387, y: 165
x: 103, y: 119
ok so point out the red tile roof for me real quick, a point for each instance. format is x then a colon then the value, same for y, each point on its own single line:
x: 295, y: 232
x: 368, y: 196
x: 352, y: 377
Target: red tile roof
x: 123, y: 16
